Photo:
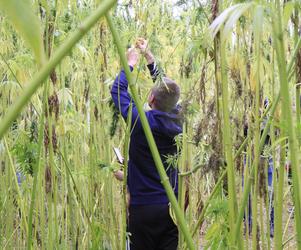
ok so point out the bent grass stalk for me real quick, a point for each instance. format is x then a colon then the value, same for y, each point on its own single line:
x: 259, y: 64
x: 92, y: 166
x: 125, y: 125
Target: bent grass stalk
x: 150, y: 139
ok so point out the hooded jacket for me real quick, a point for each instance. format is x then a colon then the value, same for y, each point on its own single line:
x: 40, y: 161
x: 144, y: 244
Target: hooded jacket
x: 143, y: 179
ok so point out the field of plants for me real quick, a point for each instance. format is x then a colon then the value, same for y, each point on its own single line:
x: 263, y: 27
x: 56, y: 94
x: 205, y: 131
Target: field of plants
x: 238, y: 64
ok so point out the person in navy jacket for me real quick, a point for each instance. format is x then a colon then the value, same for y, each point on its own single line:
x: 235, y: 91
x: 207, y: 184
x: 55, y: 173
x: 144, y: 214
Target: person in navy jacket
x: 149, y: 222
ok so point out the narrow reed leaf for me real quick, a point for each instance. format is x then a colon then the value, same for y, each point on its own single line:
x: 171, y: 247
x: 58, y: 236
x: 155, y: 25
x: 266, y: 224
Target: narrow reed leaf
x: 235, y: 15
x: 42, y: 75
x: 220, y: 20
x: 287, y: 12
x: 230, y: 16
x: 21, y: 15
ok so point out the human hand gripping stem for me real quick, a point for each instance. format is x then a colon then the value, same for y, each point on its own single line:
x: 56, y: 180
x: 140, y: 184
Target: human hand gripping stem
x: 142, y: 45
x: 132, y: 57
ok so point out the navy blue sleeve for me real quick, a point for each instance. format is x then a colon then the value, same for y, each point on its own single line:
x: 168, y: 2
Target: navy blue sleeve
x: 154, y: 71
x: 121, y: 96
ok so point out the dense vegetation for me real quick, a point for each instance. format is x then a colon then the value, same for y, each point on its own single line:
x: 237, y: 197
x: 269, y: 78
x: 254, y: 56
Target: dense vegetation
x: 239, y: 67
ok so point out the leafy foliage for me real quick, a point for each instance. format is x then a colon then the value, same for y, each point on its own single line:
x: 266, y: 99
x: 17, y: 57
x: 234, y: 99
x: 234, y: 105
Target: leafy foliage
x: 26, y: 22
x: 218, y: 232
x: 25, y: 152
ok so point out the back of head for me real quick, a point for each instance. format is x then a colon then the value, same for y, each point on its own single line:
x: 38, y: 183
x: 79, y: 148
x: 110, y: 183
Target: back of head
x: 166, y: 95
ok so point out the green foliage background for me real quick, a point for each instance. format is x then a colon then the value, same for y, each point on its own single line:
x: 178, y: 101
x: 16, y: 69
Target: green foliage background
x: 79, y: 203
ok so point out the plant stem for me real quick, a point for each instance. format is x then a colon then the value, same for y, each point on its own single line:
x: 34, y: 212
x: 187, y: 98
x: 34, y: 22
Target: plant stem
x: 124, y: 184
x: 279, y: 199
x: 227, y: 142
x: 257, y: 36
x: 181, y: 184
x: 298, y: 74
x: 287, y: 109
x: 36, y: 172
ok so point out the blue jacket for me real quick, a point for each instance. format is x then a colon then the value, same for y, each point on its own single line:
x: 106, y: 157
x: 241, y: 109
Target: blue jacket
x: 143, y: 179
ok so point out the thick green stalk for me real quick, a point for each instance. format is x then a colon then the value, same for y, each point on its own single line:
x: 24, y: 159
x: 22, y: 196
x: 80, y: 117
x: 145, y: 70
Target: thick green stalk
x: 181, y: 187
x: 279, y: 199
x: 228, y: 144
x: 298, y: 75
x: 69, y: 198
x: 291, y: 72
x: 246, y: 176
x: 124, y: 184
x: 263, y: 246
x: 44, y: 72
x: 269, y: 203
x: 287, y: 109
x: 150, y: 139
x: 36, y: 173
x: 257, y: 36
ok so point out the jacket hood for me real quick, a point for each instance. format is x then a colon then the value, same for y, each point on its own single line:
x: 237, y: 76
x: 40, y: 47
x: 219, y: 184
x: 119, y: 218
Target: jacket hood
x: 169, y: 124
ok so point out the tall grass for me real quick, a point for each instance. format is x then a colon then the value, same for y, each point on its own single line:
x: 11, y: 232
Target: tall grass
x: 60, y: 136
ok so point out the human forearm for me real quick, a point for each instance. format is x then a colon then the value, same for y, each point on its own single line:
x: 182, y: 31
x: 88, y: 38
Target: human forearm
x: 149, y: 57
x: 142, y: 45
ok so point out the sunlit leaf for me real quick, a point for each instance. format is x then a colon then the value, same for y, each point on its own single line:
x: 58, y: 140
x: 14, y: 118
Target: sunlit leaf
x: 228, y: 16
x: 21, y: 15
x: 287, y: 12
x: 235, y: 15
x: 220, y: 20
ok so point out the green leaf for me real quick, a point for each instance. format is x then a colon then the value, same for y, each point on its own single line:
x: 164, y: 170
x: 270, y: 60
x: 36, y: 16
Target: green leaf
x: 287, y: 12
x: 220, y: 20
x: 235, y: 15
x: 21, y: 15
x: 258, y: 25
x: 228, y: 16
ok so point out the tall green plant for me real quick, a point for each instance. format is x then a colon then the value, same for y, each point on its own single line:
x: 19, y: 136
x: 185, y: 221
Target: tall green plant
x: 228, y: 143
x: 287, y: 109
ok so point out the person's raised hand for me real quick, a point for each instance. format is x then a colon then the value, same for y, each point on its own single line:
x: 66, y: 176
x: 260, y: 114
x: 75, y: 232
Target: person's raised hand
x: 142, y: 45
x: 132, y: 56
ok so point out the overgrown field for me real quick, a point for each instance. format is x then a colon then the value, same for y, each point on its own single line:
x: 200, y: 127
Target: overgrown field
x: 239, y: 67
